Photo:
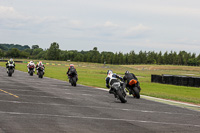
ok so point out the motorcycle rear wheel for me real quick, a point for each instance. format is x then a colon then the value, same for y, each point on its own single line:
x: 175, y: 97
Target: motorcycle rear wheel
x: 136, y: 92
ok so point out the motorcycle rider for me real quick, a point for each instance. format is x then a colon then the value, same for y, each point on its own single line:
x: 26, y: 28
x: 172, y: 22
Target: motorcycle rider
x: 72, y: 72
x: 40, y: 65
x: 111, y: 79
x: 11, y: 61
x: 128, y: 77
x: 31, y: 63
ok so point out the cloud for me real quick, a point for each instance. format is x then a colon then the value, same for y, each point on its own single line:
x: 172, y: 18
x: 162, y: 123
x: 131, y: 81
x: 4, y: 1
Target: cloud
x: 75, y: 23
x: 9, y: 13
x: 144, y: 24
x: 105, y: 29
x: 109, y: 24
x: 170, y: 7
x: 106, y: 25
x: 11, y: 19
x: 138, y: 30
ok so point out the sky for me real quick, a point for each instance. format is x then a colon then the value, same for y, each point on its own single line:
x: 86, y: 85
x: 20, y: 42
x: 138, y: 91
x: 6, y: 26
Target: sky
x: 109, y: 25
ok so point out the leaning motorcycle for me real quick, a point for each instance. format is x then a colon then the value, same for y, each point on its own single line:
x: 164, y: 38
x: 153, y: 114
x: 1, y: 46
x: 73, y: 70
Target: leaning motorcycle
x: 134, y: 88
x: 40, y: 72
x: 119, y: 91
x: 31, y: 70
x: 10, y: 69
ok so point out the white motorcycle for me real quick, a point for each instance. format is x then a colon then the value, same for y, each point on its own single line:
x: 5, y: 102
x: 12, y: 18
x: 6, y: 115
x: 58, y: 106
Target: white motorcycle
x: 10, y: 69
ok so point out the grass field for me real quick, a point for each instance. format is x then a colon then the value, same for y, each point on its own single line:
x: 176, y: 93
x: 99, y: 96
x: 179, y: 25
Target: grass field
x: 92, y: 74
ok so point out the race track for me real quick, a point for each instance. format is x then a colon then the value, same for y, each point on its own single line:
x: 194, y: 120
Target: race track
x: 32, y: 105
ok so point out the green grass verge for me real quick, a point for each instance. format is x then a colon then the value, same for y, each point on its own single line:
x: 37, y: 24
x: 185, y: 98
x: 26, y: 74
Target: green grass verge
x: 92, y: 74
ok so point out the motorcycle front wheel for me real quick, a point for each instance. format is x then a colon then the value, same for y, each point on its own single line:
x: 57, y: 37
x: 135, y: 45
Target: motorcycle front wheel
x: 121, y: 97
x: 10, y: 71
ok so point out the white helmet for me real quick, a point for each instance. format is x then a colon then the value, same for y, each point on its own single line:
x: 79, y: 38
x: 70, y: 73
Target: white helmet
x: 109, y: 72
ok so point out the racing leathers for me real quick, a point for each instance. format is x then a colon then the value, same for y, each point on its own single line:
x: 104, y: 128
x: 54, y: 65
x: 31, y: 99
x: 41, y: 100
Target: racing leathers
x: 39, y: 65
x: 10, y: 62
x: 128, y: 77
x: 110, y: 80
x: 31, y: 64
x: 72, y: 72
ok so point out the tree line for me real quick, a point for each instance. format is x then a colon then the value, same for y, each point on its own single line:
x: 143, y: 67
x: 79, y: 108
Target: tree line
x: 143, y: 57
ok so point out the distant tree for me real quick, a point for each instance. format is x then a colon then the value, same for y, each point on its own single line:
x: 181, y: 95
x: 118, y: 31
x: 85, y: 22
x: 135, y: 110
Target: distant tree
x: 125, y: 59
x: 193, y: 62
x: 78, y: 57
x: 142, y: 57
x: 95, y: 49
x: 166, y: 58
x: 24, y: 54
x: 115, y: 59
x: 14, y: 53
x: 151, y: 57
x: 1, y: 53
x: 182, y: 58
x: 89, y: 57
x: 7, y: 47
x: 30, y: 51
x: 121, y: 58
x: 198, y: 57
x: 41, y: 55
x: 3, y: 47
x: 132, y: 57
x: 35, y: 46
x: 53, y: 52
x: 26, y: 47
x: 37, y: 51
x: 95, y: 55
x: 160, y: 58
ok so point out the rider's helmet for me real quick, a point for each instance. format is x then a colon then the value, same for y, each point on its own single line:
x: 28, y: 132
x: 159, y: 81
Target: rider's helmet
x: 71, y: 65
x: 109, y: 72
x: 11, y: 61
x: 40, y: 63
x: 31, y: 61
x: 127, y: 72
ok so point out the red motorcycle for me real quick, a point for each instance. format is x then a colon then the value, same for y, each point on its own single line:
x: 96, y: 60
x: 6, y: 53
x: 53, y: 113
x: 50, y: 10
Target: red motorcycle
x: 40, y: 72
x: 31, y: 70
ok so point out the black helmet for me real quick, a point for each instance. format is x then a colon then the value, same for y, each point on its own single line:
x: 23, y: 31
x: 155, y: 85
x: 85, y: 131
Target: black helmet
x: 127, y: 72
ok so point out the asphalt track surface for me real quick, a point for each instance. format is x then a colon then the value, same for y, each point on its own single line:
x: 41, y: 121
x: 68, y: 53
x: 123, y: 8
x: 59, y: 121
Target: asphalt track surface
x: 32, y: 105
